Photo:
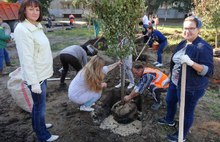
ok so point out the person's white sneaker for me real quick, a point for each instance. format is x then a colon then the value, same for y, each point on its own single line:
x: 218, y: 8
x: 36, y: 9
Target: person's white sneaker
x: 48, y: 125
x: 60, y: 70
x: 118, y: 86
x: 131, y: 85
x: 154, y: 63
x: 52, y: 138
x: 159, y: 65
x: 84, y: 108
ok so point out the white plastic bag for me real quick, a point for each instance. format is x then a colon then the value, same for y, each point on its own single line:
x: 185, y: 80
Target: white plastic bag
x: 19, y: 91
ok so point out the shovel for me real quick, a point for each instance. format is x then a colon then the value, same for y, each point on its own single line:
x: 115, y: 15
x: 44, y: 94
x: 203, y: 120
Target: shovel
x: 182, y: 103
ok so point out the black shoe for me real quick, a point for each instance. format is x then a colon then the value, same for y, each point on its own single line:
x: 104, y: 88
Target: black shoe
x: 2, y: 73
x: 63, y: 86
x: 9, y: 64
x: 164, y: 121
x: 156, y: 105
x: 174, y: 137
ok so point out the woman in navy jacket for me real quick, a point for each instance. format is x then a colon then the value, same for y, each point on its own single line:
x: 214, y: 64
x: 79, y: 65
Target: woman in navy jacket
x: 198, y: 55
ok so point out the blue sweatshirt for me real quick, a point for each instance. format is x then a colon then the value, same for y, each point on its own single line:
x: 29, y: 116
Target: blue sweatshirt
x: 202, y: 53
x: 156, y: 36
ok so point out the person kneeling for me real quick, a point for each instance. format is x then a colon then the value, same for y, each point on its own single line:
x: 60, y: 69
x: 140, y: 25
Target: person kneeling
x: 86, y: 88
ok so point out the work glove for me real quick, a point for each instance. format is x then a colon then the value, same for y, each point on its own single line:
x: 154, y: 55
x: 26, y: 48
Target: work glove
x: 187, y: 60
x: 166, y: 81
x: 12, y: 36
x: 36, y: 88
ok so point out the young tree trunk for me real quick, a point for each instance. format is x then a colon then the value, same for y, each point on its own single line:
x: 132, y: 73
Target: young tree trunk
x: 216, y: 38
x: 166, y: 11
x: 122, y: 81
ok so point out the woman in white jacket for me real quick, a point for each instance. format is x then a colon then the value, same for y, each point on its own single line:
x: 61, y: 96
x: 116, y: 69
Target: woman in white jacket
x: 86, y: 88
x: 36, y: 62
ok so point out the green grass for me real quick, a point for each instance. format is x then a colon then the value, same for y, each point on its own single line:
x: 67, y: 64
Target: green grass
x: 60, y: 46
x: 63, y: 38
x: 213, y: 102
x: 75, y: 32
x: 173, y: 34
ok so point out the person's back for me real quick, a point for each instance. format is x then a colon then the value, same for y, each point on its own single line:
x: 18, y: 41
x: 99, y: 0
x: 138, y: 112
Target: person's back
x: 157, y: 36
x: 145, y: 20
x: 85, y: 89
x: 3, y: 38
x: 76, y: 51
x: 159, y: 77
x: 3, y: 53
x: 71, y: 18
x: 75, y: 56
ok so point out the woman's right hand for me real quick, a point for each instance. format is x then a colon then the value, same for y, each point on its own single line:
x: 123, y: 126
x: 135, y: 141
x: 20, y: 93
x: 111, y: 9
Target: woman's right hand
x: 36, y: 88
x: 104, y: 85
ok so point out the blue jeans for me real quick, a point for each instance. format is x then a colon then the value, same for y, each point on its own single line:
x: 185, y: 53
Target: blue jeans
x: 90, y: 102
x: 38, y: 113
x: 160, y: 51
x: 3, y: 56
x: 191, y: 99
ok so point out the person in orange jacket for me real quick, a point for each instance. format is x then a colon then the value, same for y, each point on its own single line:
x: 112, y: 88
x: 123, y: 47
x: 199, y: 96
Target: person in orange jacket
x: 152, y: 79
x: 71, y: 18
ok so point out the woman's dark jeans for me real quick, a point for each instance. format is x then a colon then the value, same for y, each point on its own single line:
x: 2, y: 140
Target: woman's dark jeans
x: 191, y: 99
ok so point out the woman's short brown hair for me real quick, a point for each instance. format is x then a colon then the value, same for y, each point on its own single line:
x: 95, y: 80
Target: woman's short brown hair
x: 24, y: 4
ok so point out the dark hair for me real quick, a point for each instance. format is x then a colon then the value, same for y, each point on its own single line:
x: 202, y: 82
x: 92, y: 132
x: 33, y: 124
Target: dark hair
x: 150, y: 27
x: 138, y: 66
x: 24, y: 4
x: 195, y: 19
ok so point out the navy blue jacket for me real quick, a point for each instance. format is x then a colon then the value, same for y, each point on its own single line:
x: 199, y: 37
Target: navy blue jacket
x: 156, y: 36
x: 202, y: 53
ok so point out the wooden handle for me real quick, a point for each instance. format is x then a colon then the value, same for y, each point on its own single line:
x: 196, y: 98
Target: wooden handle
x: 182, y: 103
x: 143, y: 49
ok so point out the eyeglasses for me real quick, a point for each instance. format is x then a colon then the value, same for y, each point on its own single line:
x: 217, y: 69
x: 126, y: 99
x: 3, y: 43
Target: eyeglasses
x: 189, y: 29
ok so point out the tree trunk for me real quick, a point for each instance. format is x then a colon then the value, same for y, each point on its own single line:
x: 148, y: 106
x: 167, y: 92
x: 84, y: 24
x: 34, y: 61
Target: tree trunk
x: 122, y: 81
x: 216, y: 38
x: 166, y: 11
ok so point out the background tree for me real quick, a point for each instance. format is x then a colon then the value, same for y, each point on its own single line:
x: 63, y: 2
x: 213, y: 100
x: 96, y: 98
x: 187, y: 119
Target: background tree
x: 209, y: 11
x: 180, y: 5
x: 118, y: 19
x: 45, y: 5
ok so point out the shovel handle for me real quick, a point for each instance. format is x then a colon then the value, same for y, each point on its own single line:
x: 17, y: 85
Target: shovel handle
x: 182, y: 103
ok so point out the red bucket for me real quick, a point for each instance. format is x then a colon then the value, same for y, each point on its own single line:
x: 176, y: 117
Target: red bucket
x: 155, y: 45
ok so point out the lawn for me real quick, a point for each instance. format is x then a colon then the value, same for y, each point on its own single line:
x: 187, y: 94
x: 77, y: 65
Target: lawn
x: 79, y: 35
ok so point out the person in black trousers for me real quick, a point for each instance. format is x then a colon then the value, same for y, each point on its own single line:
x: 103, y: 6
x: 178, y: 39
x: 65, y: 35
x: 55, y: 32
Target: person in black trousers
x: 76, y: 56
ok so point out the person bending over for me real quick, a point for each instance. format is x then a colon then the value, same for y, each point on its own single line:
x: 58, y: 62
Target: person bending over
x: 152, y: 79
